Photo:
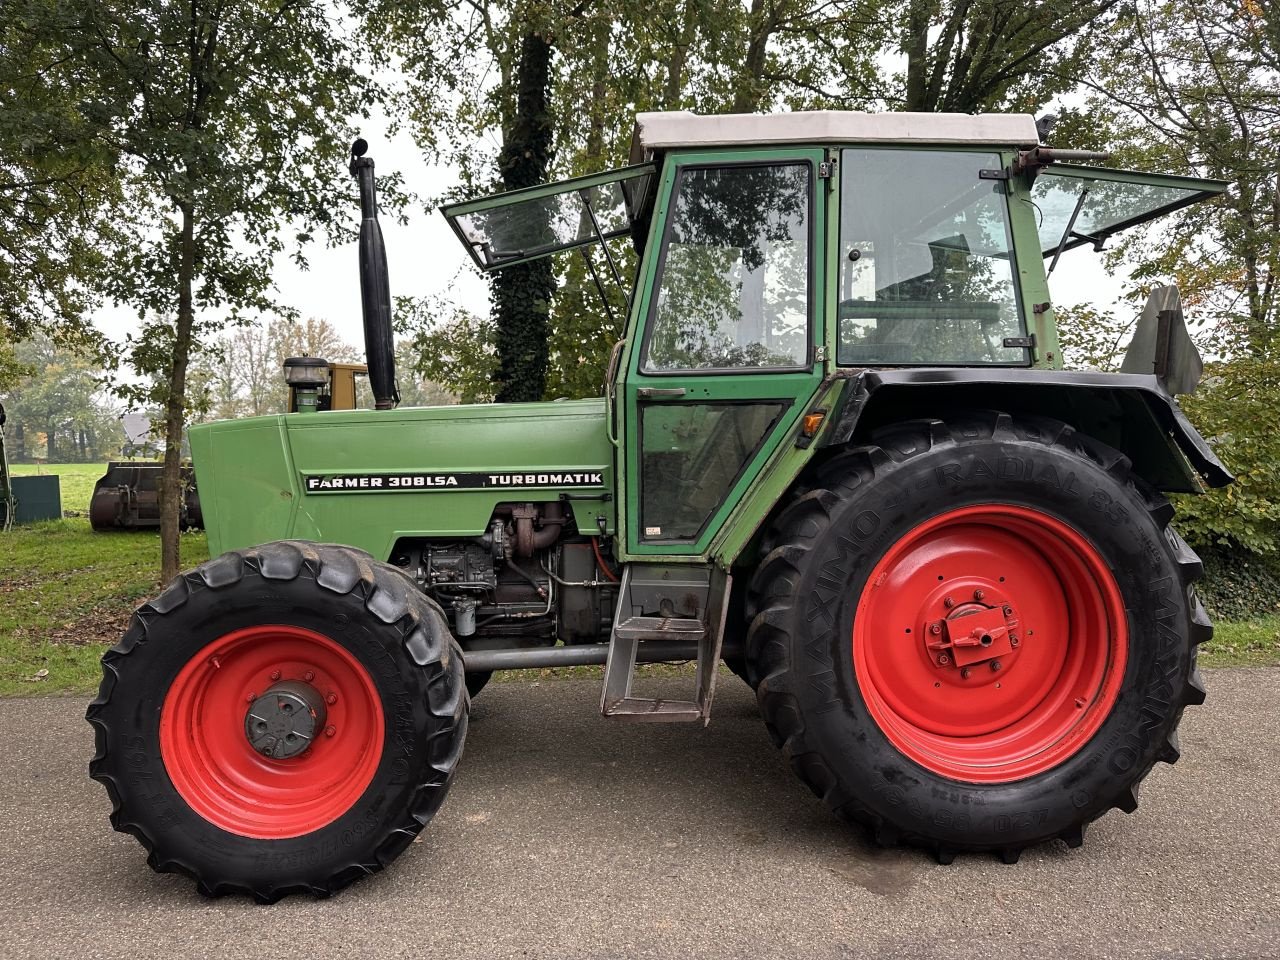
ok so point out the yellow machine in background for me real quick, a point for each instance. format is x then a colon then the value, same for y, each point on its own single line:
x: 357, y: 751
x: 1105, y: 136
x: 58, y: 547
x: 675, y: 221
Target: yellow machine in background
x: 316, y: 384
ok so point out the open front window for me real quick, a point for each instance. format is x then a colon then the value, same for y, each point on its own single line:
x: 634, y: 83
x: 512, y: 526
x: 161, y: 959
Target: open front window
x: 733, y: 284
x: 1079, y: 205
x: 523, y: 225
x: 927, y: 273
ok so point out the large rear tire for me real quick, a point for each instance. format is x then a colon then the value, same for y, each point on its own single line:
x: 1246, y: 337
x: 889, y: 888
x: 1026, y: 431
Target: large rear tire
x: 281, y: 719
x: 976, y: 635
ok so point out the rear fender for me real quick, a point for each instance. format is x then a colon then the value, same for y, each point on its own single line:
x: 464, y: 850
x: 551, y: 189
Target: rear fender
x: 1130, y: 412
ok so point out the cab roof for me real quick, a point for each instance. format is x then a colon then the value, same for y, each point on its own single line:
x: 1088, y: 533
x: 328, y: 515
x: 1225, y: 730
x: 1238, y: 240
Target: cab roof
x: 657, y: 132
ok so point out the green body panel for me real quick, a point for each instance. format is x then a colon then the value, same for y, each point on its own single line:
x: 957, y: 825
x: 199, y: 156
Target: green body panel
x: 251, y: 473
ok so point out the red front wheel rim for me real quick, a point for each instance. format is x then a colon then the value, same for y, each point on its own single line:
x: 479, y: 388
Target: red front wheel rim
x: 990, y: 643
x: 216, y: 769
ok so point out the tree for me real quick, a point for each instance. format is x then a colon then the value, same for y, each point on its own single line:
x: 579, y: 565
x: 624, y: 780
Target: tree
x: 57, y: 179
x: 963, y: 56
x: 1192, y: 90
x: 231, y: 120
x: 60, y: 403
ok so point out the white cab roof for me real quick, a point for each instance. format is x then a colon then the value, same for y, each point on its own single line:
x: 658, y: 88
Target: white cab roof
x: 665, y: 131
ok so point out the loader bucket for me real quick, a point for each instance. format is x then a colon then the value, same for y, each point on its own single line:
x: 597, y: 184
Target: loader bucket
x: 128, y: 498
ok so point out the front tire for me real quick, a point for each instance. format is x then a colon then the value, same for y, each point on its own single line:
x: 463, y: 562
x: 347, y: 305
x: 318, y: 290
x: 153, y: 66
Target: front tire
x: 976, y: 634
x: 281, y: 719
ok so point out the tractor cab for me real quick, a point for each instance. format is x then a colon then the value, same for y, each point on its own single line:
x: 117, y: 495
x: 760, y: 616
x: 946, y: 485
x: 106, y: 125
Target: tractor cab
x: 780, y: 257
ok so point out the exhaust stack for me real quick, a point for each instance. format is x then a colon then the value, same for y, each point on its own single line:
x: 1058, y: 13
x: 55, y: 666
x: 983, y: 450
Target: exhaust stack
x: 375, y: 290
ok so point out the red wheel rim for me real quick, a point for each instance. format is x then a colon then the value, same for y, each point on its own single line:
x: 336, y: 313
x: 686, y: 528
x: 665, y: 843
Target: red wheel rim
x: 223, y: 778
x: 990, y: 643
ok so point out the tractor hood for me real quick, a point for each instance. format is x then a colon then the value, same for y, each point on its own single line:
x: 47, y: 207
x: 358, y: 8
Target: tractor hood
x: 368, y: 478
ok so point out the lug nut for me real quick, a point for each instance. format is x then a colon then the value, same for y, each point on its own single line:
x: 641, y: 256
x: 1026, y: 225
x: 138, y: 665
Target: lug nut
x: 330, y: 730
x: 949, y: 602
x: 1013, y: 641
x: 275, y: 674
x: 331, y: 699
x: 978, y: 594
x: 935, y: 628
x: 943, y: 659
x: 964, y: 674
x: 995, y: 665
x: 1008, y: 611
x: 309, y: 676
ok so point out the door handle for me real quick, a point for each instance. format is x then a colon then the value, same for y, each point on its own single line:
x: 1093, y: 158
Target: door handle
x: 656, y: 392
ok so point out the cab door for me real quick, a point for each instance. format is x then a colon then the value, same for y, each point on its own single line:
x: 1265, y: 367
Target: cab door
x: 725, y: 357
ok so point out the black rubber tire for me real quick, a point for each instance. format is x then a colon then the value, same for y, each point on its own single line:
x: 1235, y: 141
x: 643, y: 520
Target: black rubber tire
x: 477, y: 680
x: 372, y: 610
x: 859, y: 504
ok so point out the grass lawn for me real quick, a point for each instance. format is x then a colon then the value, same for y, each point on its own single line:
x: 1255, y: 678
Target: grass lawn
x: 66, y: 594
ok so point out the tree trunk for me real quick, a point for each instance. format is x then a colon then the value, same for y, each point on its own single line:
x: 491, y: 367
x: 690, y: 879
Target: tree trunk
x: 522, y: 294
x: 50, y: 444
x: 20, y: 438
x: 175, y: 402
x: 916, y: 47
x: 751, y: 77
x: 673, y: 92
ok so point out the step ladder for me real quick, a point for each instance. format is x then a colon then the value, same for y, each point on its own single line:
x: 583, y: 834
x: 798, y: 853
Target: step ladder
x: 665, y: 606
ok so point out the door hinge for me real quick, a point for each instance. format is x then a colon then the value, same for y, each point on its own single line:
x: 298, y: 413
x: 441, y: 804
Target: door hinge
x: 1026, y: 343
x: 826, y: 169
x: 820, y: 355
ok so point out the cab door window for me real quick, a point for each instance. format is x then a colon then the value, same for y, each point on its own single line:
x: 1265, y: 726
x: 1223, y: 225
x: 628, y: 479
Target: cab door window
x: 731, y: 296
x: 733, y: 287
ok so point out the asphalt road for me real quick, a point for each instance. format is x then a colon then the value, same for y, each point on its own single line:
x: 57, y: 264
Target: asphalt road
x: 568, y: 836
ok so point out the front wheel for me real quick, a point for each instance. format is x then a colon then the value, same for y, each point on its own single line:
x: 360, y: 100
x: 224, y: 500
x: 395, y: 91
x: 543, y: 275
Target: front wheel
x: 976, y: 634
x: 281, y: 719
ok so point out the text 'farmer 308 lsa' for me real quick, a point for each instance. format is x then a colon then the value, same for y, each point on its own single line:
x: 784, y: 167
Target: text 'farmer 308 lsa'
x: 836, y: 450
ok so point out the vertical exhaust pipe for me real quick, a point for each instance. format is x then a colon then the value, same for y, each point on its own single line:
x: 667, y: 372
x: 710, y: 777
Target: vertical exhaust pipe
x: 375, y: 290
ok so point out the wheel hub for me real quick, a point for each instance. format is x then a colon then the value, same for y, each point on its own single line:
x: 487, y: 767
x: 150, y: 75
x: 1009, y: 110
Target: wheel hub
x: 283, y: 722
x: 979, y: 632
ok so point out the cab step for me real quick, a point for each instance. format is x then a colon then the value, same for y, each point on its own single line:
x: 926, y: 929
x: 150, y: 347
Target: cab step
x: 665, y: 604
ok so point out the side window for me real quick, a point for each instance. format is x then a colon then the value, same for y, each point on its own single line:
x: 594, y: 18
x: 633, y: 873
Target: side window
x: 733, y: 287
x: 927, y: 273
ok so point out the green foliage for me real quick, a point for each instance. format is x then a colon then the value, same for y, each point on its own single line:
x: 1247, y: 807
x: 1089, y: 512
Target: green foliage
x: 969, y: 55
x: 58, y: 183
x: 1239, y: 586
x: 1092, y: 339
x: 58, y: 409
x: 228, y: 123
x: 1235, y: 408
x: 453, y: 348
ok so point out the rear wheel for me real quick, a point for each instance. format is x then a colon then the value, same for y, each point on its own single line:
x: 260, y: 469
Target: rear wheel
x: 977, y: 634
x: 282, y: 719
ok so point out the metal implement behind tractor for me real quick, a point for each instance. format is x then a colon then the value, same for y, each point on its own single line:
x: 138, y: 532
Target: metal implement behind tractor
x: 127, y: 497
x: 836, y: 450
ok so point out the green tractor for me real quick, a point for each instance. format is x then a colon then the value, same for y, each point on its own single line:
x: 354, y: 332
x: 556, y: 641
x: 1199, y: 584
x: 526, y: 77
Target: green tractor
x: 836, y: 450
